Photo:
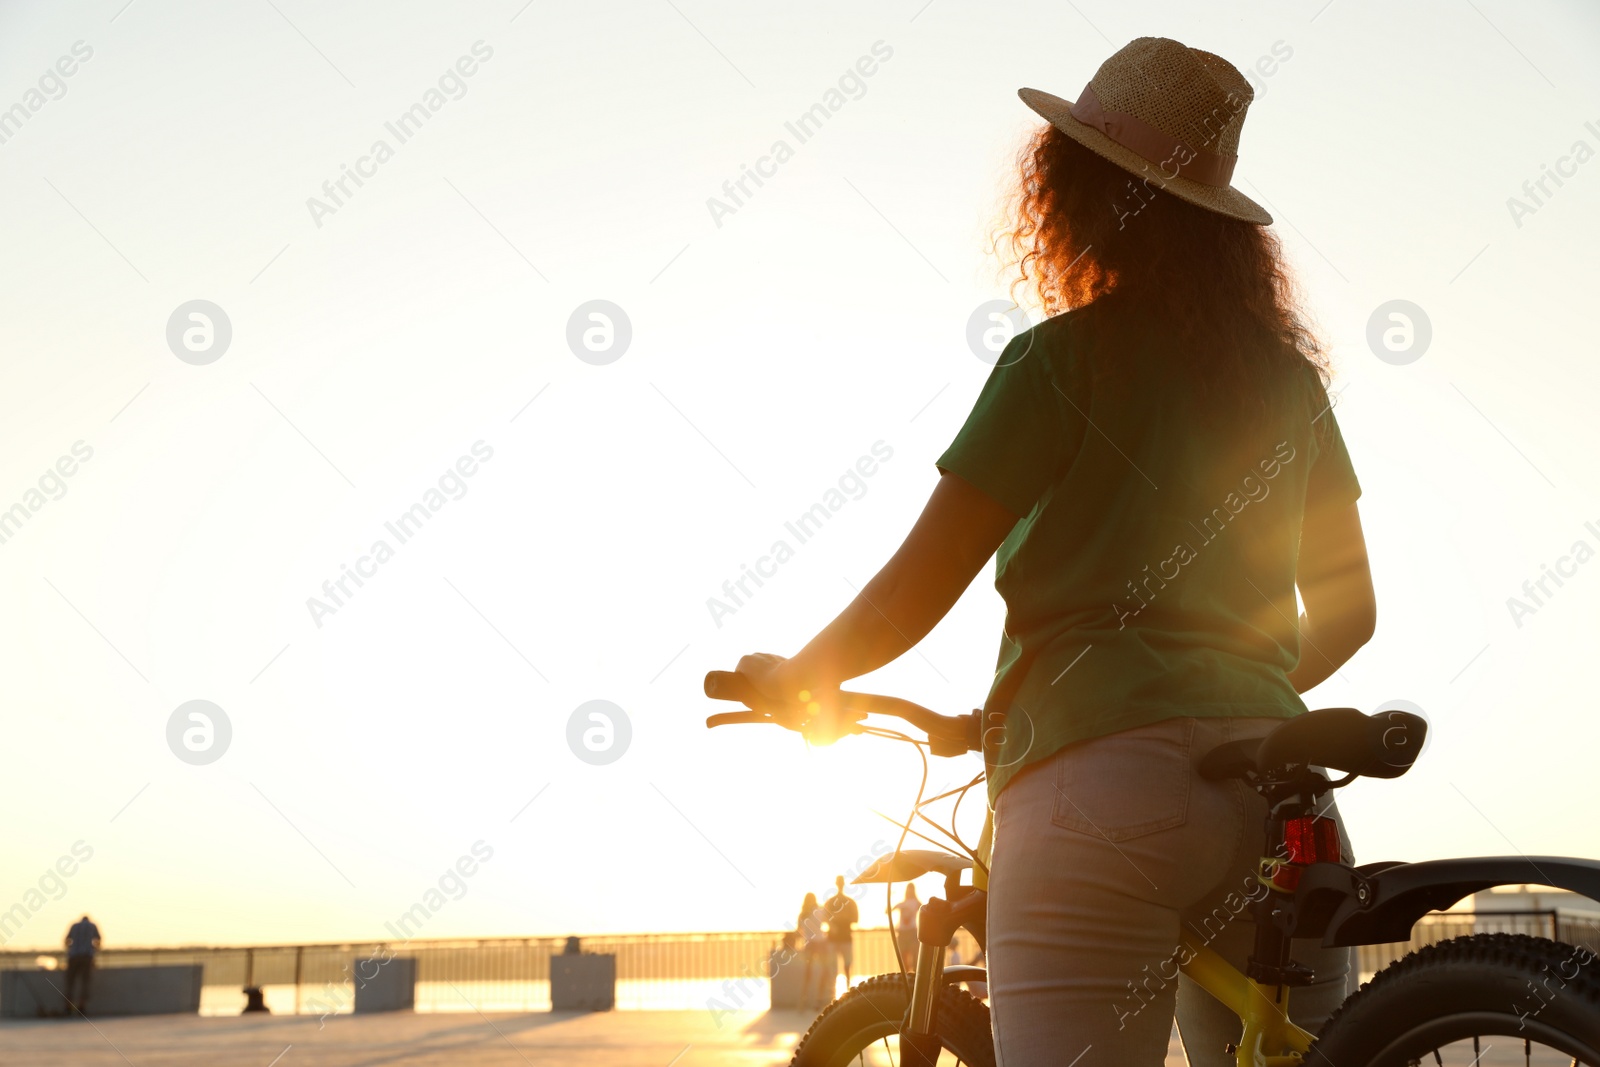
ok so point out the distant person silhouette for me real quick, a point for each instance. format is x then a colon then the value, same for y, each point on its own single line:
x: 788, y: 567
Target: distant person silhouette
x: 842, y: 915
x: 905, y: 926
x: 82, y: 941
x: 818, y: 960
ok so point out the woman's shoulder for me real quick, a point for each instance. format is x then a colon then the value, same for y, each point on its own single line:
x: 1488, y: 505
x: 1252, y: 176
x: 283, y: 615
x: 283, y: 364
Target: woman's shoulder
x: 1060, y: 329
x: 1046, y: 348
x: 1060, y: 350
x: 1069, y: 337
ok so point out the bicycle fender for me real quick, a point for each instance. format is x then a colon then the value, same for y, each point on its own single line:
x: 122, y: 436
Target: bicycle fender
x: 1378, y: 903
x: 964, y: 973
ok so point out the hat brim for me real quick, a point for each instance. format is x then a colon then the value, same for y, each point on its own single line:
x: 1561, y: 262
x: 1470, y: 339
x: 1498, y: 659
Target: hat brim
x: 1223, y: 199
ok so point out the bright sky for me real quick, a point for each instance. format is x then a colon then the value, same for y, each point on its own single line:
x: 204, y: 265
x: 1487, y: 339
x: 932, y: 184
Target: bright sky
x: 377, y: 340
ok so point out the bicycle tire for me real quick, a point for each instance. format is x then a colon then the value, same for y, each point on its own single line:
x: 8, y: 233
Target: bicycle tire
x: 872, y: 1011
x: 1487, y: 985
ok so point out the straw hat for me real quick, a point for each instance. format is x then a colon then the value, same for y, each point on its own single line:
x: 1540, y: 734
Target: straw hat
x: 1167, y: 113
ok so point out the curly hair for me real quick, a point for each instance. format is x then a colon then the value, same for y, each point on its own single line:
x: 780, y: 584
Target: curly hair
x: 1079, y: 228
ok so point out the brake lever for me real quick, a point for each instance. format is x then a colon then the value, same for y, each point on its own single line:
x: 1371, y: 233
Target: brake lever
x: 787, y: 720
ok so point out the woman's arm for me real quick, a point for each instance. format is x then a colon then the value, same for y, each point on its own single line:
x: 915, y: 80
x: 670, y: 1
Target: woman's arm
x: 959, y: 529
x: 1335, y: 581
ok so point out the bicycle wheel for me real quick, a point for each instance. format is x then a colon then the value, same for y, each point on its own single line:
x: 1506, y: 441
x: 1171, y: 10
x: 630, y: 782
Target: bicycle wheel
x: 859, y: 1029
x: 1483, y: 1000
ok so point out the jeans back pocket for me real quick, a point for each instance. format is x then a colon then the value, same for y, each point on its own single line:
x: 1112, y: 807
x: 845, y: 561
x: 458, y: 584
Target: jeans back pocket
x: 1127, y: 784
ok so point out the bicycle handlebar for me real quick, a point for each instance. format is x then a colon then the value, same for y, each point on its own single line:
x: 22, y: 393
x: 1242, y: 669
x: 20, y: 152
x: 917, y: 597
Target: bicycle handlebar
x: 948, y: 735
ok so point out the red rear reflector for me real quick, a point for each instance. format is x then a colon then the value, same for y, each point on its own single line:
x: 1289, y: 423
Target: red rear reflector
x: 1311, y: 839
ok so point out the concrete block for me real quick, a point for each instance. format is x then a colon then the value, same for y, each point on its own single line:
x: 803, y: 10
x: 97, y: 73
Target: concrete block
x: 583, y: 983
x: 786, y: 978
x: 385, y: 985
x: 166, y: 990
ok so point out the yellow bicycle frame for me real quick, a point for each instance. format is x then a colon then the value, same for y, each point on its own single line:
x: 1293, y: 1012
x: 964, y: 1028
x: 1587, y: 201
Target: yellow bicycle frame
x: 1268, y: 1038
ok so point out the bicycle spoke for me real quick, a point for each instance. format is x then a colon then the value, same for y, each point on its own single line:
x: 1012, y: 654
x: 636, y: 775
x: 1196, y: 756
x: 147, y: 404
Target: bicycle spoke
x: 1480, y: 1050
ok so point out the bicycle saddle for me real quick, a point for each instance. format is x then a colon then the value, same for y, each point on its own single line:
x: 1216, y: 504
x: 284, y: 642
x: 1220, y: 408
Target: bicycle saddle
x: 1341, y: 739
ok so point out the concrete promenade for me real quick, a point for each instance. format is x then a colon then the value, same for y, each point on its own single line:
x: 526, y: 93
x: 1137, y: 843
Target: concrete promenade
x: 461, y: 1039
x: 464, y: 1039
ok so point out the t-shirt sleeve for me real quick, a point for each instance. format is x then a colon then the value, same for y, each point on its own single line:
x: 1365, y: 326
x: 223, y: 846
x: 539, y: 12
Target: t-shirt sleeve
x: 1332, y: 483
x: 1014, y: 443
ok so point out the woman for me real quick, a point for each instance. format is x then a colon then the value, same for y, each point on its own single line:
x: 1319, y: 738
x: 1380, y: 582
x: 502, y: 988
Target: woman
x: 1159, y: 469
x: 905, y: 927
x: 816, y: 982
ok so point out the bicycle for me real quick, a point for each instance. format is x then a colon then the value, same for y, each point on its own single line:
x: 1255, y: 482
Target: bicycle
x: 1514, y: 988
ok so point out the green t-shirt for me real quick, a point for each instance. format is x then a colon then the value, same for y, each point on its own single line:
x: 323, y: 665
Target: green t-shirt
x: 1151, y: 574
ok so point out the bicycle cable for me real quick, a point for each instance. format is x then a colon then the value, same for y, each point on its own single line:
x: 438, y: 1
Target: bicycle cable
x: 922, y: 801
x: 956, y: 810
x: 917, y: 812
x: 888, y: 887
x: 895, y: 735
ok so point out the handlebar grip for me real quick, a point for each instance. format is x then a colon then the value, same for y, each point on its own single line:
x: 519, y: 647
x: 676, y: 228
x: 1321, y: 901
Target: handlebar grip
x: 731, y: 685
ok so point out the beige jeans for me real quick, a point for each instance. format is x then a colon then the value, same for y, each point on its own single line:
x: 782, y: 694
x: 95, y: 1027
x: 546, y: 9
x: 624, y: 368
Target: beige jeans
x: 1105, y: 855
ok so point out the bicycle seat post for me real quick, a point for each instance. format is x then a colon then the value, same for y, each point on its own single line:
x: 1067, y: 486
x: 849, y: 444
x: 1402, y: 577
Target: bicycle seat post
x: 1273, y: 913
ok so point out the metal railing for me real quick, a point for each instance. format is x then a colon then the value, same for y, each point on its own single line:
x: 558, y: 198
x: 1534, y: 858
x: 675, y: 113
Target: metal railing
x: 1441, y: 926
x: 706, y: 971
x: 654, y: 971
